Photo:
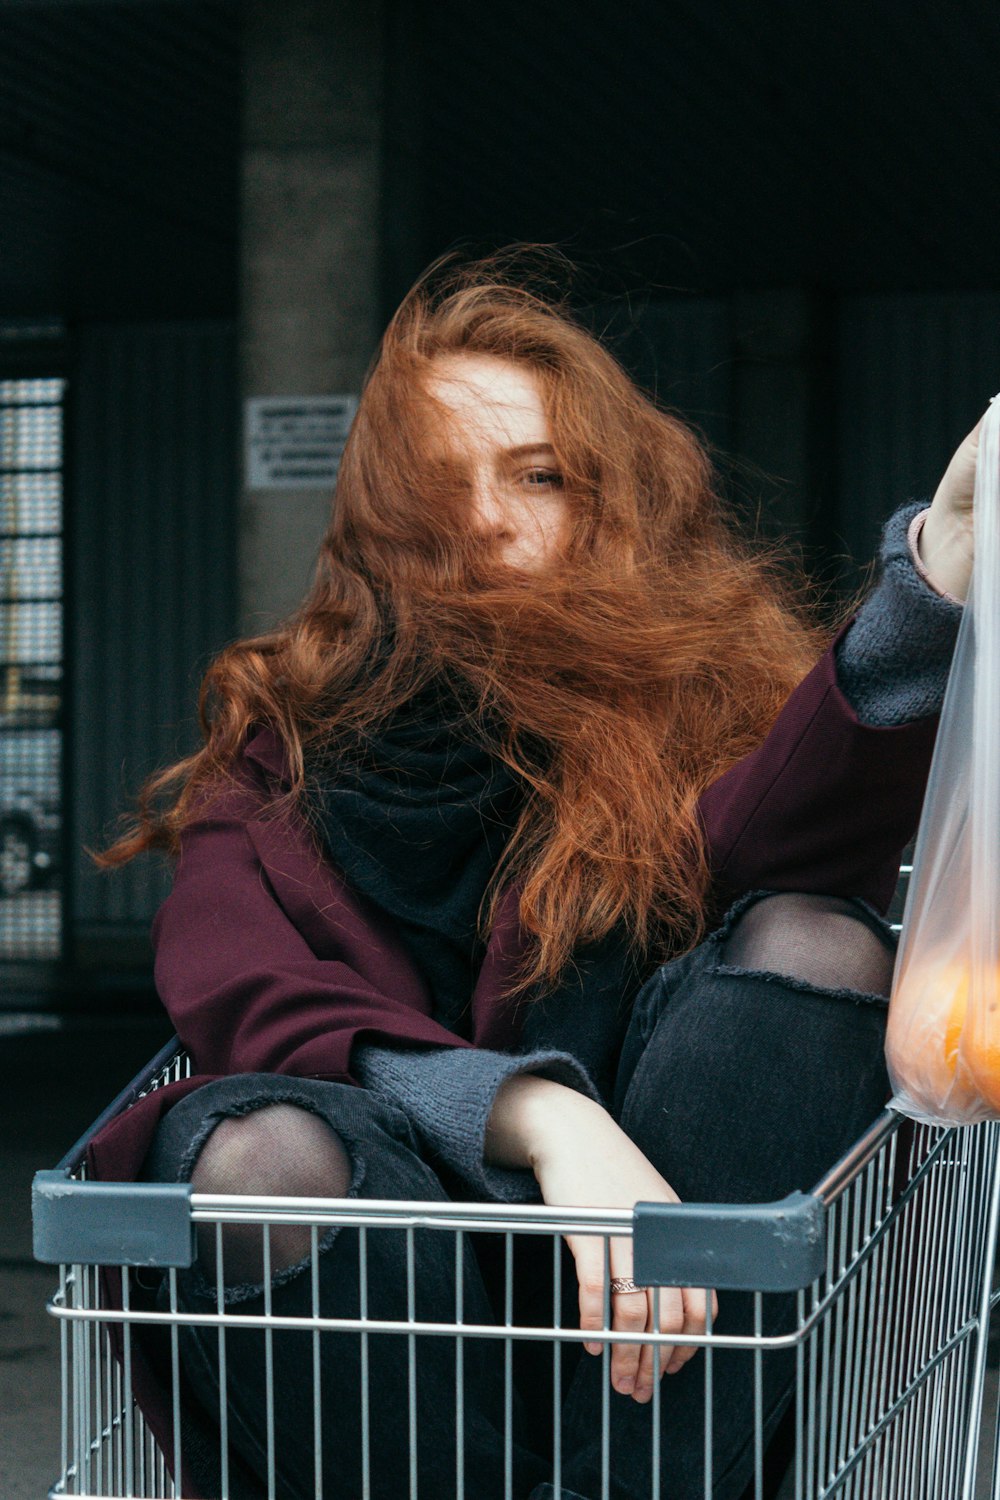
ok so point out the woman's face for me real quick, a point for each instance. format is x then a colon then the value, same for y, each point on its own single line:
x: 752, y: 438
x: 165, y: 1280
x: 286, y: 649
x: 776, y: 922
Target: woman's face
x: 494, y: 428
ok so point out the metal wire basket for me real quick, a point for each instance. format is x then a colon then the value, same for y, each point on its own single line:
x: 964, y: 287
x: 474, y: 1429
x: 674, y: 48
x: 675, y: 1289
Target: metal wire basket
x: 885, y: 1270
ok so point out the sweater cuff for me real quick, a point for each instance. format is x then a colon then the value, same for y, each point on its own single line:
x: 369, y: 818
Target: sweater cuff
x: 447, y: 1093
x: 893, y: 661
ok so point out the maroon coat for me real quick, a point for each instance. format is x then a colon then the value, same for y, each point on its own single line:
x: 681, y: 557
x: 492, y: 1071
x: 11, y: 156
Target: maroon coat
x: 268, y: 962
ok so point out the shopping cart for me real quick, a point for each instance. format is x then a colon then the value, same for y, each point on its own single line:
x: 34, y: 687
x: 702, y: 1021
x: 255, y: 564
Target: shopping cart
x: 887, y: 1265
x: 889, y: 1260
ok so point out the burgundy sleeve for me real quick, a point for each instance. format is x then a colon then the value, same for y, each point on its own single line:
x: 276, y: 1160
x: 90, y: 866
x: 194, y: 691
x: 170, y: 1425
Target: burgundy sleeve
x: 824, y: 804
x: 244, y: 989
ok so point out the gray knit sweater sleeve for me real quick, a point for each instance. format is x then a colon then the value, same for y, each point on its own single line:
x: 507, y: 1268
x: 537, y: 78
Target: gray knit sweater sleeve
x: 893, y: 662
x: 447, y: 1094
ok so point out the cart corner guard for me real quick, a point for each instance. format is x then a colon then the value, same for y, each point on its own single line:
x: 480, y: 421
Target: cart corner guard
x: 764, y: 1247
x: 111, y: 1223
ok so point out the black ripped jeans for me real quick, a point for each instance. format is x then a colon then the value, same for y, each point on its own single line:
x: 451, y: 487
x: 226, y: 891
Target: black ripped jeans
x: 740, y: 1081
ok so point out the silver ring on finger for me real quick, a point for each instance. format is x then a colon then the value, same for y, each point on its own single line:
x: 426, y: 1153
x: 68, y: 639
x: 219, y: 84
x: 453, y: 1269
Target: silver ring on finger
x: 625, y: 1284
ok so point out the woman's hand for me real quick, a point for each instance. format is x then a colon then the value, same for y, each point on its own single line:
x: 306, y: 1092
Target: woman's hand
x: 583, y: 1159
x: 945, y: 544
x: 588, y: 1161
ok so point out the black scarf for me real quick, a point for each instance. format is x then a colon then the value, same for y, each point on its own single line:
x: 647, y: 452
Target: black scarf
x: 416, y: 814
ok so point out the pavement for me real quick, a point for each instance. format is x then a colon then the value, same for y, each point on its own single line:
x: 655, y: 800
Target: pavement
x: 57, y: 1076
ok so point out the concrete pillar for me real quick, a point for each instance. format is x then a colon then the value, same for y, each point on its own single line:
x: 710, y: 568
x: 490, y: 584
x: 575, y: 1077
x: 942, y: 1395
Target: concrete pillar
x: 311, y: 274
x: 784, y: 415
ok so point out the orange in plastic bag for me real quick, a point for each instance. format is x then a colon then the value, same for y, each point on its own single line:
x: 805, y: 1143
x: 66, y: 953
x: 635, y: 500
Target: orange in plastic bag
x: 924, y: 1040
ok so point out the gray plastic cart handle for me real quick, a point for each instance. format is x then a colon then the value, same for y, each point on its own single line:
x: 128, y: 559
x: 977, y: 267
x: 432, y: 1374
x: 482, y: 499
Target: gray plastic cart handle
x: 111, y: 1223
x: 766, y: 1247
x: 751, y: 1247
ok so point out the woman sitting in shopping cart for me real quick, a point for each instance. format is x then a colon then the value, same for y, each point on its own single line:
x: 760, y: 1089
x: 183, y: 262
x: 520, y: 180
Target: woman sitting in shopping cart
x: 543, y: 853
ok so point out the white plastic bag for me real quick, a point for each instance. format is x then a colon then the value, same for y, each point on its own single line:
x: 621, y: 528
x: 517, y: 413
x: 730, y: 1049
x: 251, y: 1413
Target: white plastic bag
x: 943, y: 1039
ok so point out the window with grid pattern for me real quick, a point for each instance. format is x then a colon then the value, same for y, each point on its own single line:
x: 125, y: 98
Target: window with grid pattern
x: 31, y: 657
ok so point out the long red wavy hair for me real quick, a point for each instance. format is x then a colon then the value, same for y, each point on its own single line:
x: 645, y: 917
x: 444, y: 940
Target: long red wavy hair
x: 617, y: 684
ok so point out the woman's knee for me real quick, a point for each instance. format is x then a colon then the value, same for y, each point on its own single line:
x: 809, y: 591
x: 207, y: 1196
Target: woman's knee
x: 277, y: 1150
x: 825, y: 941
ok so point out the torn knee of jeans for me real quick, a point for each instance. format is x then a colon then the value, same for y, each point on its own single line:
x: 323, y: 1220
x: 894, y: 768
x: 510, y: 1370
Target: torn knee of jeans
x: 204, y: 1279
x: 825, y: 944
x: 799, y: 985
x: 269, y: 1149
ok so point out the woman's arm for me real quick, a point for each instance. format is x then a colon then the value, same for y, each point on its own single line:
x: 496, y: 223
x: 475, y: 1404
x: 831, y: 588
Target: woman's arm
x: 450, y: 1096
x: 893, y: 662
x: 826, y: 803
x: 833, y: 795
x: 581, y: 1157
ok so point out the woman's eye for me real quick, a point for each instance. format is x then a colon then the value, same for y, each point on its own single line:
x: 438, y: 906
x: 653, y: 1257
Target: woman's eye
x: 543, y: 478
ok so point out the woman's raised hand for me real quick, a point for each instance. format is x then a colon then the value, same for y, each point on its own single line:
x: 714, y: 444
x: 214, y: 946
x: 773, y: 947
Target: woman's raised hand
x: 582, y: 1158
x: 946, y: 539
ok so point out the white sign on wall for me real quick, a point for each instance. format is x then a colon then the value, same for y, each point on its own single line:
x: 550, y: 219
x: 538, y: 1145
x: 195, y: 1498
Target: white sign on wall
x: 295, y: 442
